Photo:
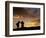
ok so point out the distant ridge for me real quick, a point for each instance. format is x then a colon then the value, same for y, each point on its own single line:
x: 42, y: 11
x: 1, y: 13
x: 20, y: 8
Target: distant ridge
x: 27, y: 28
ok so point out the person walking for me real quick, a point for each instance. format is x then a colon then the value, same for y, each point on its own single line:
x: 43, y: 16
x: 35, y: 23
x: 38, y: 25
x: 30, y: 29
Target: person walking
x: 17, y: 24
x: 22, y: 24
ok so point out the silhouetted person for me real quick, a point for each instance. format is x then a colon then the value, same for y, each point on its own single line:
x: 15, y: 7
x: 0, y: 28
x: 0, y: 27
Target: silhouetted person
x: 22, y: 24
x: 17, y: 24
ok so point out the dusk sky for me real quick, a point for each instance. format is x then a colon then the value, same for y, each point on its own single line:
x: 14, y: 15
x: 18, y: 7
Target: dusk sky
x: 32, y: 12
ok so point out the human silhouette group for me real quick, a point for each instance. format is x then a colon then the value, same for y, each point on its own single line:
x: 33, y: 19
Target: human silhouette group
x: 22, y: 24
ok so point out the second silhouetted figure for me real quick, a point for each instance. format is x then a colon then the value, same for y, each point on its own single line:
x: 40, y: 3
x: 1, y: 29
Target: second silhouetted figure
x: 22, y: 24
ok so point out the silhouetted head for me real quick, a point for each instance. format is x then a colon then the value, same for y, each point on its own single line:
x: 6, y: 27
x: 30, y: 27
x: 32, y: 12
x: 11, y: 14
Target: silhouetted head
x: 18, y: 21
x: 22, y: 22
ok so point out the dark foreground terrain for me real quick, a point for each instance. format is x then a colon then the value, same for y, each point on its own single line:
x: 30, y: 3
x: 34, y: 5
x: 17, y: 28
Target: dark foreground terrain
x: 29, y: 28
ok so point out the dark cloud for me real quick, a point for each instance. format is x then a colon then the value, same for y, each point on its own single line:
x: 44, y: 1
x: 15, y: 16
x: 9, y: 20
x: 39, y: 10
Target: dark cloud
x: 34, y: 12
